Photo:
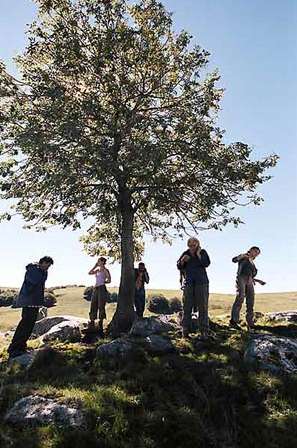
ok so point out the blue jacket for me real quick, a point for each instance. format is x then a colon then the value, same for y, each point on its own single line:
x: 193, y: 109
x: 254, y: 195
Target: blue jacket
x: 32, y: 290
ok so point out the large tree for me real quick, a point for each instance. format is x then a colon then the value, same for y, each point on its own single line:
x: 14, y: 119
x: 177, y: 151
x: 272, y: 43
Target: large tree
x: 113, y: 119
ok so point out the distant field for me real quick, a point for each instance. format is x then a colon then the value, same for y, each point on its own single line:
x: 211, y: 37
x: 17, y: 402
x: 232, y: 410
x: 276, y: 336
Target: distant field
x: 70, y: 301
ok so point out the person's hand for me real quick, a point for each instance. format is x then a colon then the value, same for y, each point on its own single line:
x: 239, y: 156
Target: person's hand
x: 185, y: 259
x: 262, y: 283
x: 198, y: 252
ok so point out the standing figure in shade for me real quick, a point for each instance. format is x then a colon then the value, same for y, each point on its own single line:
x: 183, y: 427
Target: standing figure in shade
x: 100, y: 294
x: 141, y: 277
x: 193, y: 262
x: 30, y: 299
x: 245, y: 281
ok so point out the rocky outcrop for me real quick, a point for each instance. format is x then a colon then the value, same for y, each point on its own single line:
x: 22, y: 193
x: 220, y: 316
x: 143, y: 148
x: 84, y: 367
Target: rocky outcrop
x: 272, y: 353
x: 44, y: 325
x: 24, y: 360
x: 61, y: 328
x: 118, y: 349
x: 287, y: 316
x: 158, y: 345
x: 64, y: 331
x: 154, y: 325
x: 37, y: 411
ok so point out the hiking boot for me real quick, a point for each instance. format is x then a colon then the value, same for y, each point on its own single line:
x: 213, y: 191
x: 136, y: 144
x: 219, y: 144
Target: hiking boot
x: 234, y: 324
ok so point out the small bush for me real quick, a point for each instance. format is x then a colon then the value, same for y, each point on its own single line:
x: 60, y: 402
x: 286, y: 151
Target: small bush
x: 113, y: 297
x: 175, y: 305
x: 159, y: 305
x: 49, y: 300
x: 88, y: 293
x: 7, y: 297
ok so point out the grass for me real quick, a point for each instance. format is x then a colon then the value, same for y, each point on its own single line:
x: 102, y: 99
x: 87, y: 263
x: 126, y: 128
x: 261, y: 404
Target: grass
x: 203, y: 395
x: 70, y: 302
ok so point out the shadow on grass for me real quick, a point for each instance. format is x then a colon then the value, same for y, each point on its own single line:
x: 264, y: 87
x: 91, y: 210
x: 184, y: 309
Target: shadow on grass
x: 206, y: 397
x: 288, y: 331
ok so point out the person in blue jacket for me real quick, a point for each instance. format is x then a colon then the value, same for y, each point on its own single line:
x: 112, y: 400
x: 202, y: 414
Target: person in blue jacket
x: 193, y: 263
x: 30, y: 299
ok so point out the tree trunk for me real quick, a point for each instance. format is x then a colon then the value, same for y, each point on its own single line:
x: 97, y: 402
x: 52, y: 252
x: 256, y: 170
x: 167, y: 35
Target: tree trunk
x: 125, y: 314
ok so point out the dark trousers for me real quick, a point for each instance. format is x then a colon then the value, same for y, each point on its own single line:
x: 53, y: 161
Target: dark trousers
x: 99, y: 298
x: 23, y: 330
x: 196, y: 297
x: 140, y: 301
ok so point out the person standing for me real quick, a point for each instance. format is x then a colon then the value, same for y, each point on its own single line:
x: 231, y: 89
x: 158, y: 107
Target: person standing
x: 100, y: 294
x: 141, y: 277
x: 193, y: 262
x: 30, y: 299
x: 245, y: 281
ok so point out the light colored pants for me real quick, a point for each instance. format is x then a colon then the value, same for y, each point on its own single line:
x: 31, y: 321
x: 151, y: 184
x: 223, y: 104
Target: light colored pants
x: 244, y: 290
x: 196, y: 297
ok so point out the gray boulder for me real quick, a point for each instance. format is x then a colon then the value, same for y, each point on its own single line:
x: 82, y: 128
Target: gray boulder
x: 36, y: 410
x: 287, y: 316
x: 69, y: 330
x: 119, y: 348
x: 272, y: 353
x: 24, y: 360
x: 44, y: 325
x: 57, y: 324
x: 154, y: 325
x: 158, y: 345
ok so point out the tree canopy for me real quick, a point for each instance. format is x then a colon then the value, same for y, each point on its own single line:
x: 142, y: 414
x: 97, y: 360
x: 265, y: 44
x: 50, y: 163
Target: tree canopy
x: 113, y: 119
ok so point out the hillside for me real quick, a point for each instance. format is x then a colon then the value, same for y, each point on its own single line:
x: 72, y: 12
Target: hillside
x: 70, y: 301
x: 200, y: 394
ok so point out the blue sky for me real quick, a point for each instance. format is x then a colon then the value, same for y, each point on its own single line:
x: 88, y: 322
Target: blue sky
x: 254, y: 45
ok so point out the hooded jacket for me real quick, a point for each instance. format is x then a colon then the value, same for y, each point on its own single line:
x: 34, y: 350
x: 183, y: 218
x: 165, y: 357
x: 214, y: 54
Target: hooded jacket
x: 32, y: 290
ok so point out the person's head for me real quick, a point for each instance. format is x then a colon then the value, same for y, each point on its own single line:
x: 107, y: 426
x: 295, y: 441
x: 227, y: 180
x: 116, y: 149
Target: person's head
x: 141, y: 266
x: 254, y: 252
x: 45, y: 263
x: 102, y: 261
x: 193, y: 244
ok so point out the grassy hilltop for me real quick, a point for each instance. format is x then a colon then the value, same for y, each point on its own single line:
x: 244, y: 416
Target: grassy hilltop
x: 70, y: 301
x: 201, y: 396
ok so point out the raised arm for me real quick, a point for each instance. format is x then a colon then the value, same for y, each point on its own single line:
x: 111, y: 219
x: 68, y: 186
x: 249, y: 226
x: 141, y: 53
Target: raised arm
x: 107, y: 276
x: 182, y: 260
x: 93, y: 270
x: 239, y: 258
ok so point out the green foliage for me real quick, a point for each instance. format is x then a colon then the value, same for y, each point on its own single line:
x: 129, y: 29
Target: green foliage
x: 7, y: 297
x: 159, y: 304
x: 112, y: 117
x: 49, y: 299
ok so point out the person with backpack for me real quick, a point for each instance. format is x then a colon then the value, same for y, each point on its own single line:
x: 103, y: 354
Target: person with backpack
x: 141, y: 277
x: 193, y: 263
x: 245, y: 281
x: 99, y: 295
x: 30, y: 299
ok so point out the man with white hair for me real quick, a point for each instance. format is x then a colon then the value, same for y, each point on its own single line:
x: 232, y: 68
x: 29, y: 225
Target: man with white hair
x: 193, y: 263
